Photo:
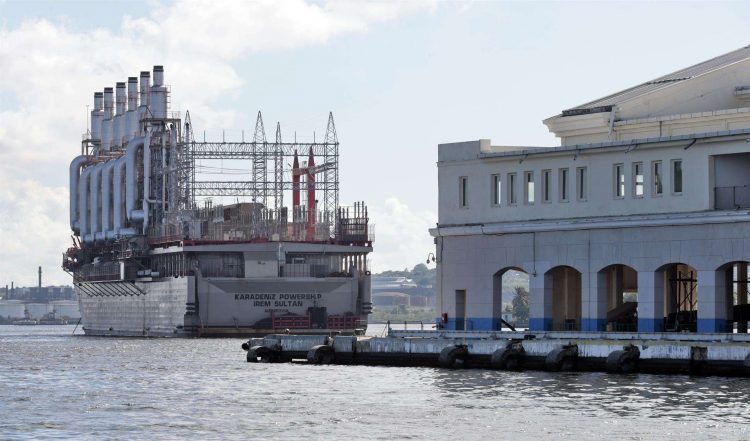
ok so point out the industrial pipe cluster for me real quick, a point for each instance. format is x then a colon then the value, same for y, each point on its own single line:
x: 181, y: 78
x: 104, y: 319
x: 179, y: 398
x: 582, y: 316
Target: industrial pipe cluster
x: 103, y: 191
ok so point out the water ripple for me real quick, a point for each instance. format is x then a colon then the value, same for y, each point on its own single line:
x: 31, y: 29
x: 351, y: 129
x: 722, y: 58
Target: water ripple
x: 56, y: 386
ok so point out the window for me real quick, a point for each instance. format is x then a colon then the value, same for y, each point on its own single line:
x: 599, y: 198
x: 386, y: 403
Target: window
x: 619, y: 176
x: 637, y: 179
x: 658, y: 187
x: 463, y: 192
x: 529, y: 187
x: 581, y: 183
x: 512, y: 189
x: 677, y: 176
x: 563, y: 177
x: 546, y: 184
x: 496, y: 189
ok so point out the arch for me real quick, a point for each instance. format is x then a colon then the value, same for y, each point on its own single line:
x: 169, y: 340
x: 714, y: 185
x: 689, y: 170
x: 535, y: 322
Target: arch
x: 562, y: 291
x: 617, y: 298
x: 680, y: 294
x: 512, y: 281
x: 736, y: 294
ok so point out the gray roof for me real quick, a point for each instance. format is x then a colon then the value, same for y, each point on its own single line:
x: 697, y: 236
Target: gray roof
x: 605, y: 104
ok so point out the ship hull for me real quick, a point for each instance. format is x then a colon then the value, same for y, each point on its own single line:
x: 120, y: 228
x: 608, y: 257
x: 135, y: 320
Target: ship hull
x: 220, y: 307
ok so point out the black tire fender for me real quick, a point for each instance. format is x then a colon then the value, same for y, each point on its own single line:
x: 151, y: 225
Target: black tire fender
x: 262, y: 354
x: 624, y: 361
x: 454, y: 356
x: 320, y: 354
x: 508, y: 358
x: 562, y: 359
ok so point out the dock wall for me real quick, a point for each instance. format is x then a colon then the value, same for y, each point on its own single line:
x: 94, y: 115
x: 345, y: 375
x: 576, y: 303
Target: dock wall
x: 648, y: 352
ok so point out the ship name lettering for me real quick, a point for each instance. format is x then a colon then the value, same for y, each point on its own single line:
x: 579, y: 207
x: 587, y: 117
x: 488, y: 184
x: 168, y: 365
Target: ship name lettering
x: 284, y: 303
x: 255, y: 296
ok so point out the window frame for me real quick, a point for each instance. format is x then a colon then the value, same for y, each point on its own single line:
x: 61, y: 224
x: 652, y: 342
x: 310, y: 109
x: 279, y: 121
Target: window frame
x: 635, y: 180
x: 546, y: 186
x: 582, y: 191
x: 657, y: 179
x: 512, y: 184
x: 463, y: 192
x: 529, y: 184
x: 618, y: 174
x: 563, y: 178
x: 496, y: 190
x: 672, y: 174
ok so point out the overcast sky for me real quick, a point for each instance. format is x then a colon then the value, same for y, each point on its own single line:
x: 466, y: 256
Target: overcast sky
x: 399, y: 77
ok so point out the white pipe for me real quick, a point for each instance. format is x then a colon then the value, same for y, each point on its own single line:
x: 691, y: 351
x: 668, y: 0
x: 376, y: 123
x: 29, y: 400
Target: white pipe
x: 107, y: 199
x: 83, y: 203
x: 75, y: 174
x: 117, y: 202
x: 173, y: 170
x: 146, y: 183
x: 130, y: 173
x: 94, y: 194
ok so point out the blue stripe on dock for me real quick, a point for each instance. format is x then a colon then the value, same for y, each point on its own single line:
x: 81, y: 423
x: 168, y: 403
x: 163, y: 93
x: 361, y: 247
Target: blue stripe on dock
x: 593, y: 324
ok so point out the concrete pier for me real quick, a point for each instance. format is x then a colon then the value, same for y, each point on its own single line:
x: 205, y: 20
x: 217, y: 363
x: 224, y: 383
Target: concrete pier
x: 617, y: 352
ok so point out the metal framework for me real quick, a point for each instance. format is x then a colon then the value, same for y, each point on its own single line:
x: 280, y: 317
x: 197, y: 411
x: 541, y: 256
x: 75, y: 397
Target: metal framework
x: 265, y: 188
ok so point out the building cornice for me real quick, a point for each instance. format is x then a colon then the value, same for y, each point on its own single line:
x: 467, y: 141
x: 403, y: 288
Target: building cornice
x: 662, y: 141
x: 635, y: 221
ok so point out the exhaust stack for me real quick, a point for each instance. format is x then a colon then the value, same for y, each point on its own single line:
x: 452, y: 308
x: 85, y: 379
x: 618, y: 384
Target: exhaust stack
x: 158, y: 98
x: 97, y: 115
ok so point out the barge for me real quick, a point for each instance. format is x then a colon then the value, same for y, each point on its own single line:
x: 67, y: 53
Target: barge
x: 164, y: 244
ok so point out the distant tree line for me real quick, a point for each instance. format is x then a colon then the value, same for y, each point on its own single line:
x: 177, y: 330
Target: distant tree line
x: 420, y: 274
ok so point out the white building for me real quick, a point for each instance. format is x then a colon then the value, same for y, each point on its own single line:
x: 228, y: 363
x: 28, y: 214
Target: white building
x: 645, y: 200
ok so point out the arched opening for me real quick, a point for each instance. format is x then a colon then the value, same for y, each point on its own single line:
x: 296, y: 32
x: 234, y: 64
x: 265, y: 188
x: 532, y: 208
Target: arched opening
x: 565, y: 285
x: 510, y: 298
x: 680, y: 297
x: 618, y: 290
x: 738, y: 306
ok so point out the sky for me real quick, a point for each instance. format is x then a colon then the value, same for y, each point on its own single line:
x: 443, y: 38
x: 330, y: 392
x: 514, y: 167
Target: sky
x: 399, y: 77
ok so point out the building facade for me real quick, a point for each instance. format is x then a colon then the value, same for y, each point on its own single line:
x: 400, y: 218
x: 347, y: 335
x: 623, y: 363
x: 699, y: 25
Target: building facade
x: 639, y: 221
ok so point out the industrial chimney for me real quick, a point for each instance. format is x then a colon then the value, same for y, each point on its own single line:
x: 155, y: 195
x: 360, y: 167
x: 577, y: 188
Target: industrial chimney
x: 118, y: 126
x: 158, y: 99
x: 106, y: 132
x: 97, y: 115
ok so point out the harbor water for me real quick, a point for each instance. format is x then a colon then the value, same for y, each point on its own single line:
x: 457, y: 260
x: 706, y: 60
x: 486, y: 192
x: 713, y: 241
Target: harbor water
x: 54, y: 385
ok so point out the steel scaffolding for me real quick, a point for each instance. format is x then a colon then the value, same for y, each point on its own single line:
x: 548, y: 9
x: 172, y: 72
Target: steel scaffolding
x: 269, y: 178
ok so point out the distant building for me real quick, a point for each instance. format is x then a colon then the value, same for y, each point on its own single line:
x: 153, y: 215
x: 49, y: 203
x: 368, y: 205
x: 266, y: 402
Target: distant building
x: 382, y: 283
x: 46, y: 294
x: 386, y: 298
x: 647, y: 199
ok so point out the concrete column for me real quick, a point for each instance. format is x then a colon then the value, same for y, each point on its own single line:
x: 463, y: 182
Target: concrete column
x: 712, y: 301
x: 650, y: 301
x: 595, y: 301
x: 540, y: 299
x: 741, y: 293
